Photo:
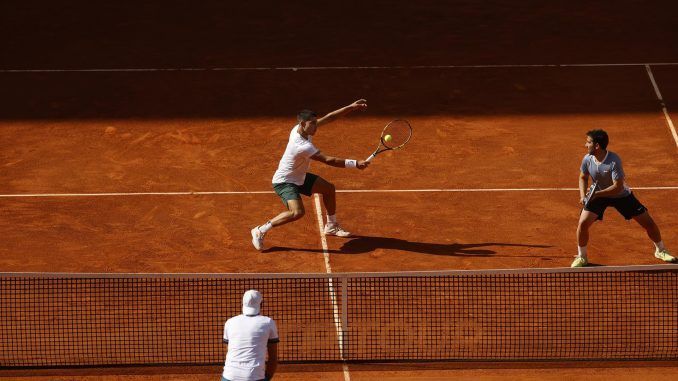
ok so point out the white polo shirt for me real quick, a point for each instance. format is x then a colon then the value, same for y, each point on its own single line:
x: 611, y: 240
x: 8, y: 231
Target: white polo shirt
x: 247, y: 338
x: 296, y: 160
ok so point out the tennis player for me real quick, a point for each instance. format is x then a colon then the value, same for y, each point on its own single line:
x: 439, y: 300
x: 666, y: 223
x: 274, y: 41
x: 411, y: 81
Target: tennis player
x: 606, y: 168
x: 292, y: 178
x: 250, y: 337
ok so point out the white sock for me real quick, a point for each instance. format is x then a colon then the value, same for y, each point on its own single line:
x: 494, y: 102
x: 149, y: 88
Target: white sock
x: 265, y: 227
x: 332, y: 219
x: 581, y: 250
x: 660, y: 245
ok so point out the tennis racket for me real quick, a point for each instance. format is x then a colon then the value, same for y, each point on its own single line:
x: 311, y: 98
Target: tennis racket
x: 394, y: 136
x: 589, y: 194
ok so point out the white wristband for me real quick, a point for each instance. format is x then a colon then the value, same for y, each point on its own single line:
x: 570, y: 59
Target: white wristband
x: 348, y: 163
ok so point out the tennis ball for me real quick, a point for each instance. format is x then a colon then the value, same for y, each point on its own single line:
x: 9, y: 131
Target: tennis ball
x: 387, y: 138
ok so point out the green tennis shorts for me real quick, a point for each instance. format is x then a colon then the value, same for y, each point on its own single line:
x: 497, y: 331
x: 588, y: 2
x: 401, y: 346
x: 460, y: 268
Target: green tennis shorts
x: 289, y: 191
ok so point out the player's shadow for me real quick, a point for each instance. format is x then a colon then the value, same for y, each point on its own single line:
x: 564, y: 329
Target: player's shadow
x: 366, y: 244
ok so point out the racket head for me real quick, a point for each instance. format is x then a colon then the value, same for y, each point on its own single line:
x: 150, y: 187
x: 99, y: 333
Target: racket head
x: 400, y: 131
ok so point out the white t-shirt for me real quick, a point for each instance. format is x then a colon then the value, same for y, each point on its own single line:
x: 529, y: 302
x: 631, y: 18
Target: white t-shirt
x: 296, y: 160
x: 248, y: 338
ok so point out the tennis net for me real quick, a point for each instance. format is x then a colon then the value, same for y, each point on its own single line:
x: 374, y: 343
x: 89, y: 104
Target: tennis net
x: 605, y: 313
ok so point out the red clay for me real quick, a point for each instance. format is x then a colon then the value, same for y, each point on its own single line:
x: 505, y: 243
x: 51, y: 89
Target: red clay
x: 225, y: 131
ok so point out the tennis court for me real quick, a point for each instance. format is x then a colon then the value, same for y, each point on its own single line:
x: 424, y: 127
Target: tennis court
x: 148, y: 146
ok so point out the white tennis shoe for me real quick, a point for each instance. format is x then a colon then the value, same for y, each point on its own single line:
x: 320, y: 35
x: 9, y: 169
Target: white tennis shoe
x: 258, y: 238
x: 335, y: 229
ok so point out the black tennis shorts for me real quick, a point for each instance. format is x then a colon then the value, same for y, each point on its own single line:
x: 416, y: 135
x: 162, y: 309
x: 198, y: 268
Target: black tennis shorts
x: 628, y: 206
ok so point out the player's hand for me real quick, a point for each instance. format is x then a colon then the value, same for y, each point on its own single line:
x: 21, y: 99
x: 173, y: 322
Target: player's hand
x: 362, y: 164
x: 583, y: 199
x: 360, y: 104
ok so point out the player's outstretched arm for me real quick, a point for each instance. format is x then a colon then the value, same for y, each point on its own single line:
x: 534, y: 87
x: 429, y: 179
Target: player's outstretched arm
x: 340, y: 163
x: 360, y: 104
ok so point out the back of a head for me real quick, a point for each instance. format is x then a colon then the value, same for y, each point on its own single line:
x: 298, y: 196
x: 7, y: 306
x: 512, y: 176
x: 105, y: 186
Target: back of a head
x: 251, y: 302
x: 306, y: 115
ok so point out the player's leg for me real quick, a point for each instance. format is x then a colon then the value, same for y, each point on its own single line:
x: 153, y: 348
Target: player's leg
x: 631, y: 208
x: 652, y: 230
x: 295, y: 210
x: 327, y: 190
x: 586, y: 220
x: 290, y: 196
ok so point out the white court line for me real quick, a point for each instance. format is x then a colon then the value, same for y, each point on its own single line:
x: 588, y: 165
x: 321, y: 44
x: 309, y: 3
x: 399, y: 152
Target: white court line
x: 338, y: 319
x: 661, y: 100
x: 440, y: 190
x: 264, y: 68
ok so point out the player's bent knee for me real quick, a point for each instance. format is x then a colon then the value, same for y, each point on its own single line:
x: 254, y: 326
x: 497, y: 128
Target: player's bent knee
x: 298, y: 213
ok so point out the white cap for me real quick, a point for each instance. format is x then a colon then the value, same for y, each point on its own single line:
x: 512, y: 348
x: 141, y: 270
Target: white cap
x: 251, y: 302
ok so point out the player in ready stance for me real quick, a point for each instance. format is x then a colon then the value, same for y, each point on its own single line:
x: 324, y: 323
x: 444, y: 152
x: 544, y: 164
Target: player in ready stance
x: 606, y: 168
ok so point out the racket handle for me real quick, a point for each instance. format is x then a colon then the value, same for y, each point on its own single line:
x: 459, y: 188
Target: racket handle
x: 370, y: 158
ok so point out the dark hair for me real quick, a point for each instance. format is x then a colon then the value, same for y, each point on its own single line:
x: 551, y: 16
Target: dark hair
x: 599, y: 137
x: 305, y: 115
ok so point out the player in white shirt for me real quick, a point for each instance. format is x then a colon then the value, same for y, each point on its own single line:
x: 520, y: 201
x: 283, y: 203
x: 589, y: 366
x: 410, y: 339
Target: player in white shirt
x: 292, y: 178
x: 250, y: 337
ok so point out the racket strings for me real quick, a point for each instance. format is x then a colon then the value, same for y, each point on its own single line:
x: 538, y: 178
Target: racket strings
x: 400, y: 132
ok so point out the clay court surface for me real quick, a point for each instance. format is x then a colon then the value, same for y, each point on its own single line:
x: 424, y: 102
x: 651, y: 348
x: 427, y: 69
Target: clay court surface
x: 484, y: 185
x: 168, y: 169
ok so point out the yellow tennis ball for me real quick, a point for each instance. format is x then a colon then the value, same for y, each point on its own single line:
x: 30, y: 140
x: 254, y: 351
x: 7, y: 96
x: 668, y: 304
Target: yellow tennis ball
x: 387, y: 138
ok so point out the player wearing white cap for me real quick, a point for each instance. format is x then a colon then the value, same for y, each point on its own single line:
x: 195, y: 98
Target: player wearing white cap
x: 250, y: 337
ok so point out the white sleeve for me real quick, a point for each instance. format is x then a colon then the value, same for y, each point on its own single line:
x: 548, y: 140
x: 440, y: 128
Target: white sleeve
x: 309, y: 149
x: 226, y: 332
x: 273, y: 333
